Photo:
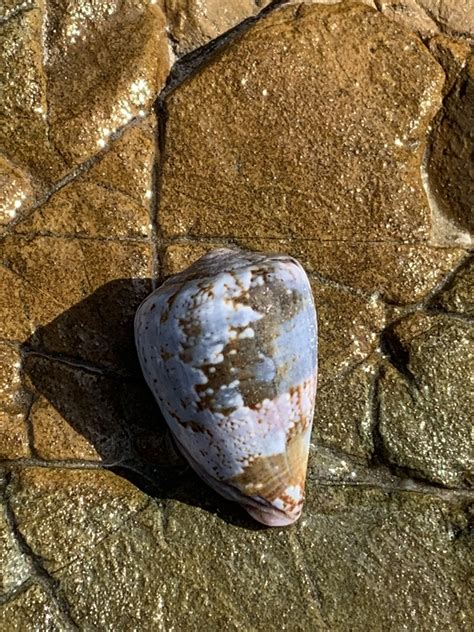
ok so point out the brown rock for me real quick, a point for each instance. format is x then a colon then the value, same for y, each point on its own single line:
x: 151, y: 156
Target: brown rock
x: 32, y: 609
x: 344, y: 414
x: 425, y: 402
x: 63, y: 513
x: 111, y: 199
x: 450, y: 170
x: 85, y: 413
x: 113, y: 57
x: 333, y: 156
x: 54, y: 437
x: 14, y: 7
x: 15, y: 321
x: 24, y: 140
x: 85, y: 291
x: 15, y: 402
x: 74, y: 76
x: 16, y: 191
x: 453, y: 17
x: 452, y: 55
x: 355, y: 554
x: 399, y: 560
x: 15, y: 567
x: 457, y: 296
x: 193, y: 23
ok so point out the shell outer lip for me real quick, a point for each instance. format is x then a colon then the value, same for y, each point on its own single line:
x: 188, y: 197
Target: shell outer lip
x: 258, y: 507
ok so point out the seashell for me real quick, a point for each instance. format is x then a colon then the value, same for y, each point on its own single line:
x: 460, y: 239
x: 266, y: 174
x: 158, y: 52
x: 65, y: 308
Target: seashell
x: 229, y: 349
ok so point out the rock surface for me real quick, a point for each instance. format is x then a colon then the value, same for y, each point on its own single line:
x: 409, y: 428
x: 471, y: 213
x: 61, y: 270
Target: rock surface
x: 330, y: 131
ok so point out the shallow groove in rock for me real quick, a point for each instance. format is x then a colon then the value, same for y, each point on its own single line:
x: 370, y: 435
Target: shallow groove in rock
x: 398, y: 356
x: 72, y: 175
x: 10, y: 596
x: 80, y: 363
x: 50, y: 585
x: 81, y: 237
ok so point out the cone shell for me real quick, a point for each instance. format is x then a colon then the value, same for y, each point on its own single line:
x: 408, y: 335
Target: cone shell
x: 229, y: 349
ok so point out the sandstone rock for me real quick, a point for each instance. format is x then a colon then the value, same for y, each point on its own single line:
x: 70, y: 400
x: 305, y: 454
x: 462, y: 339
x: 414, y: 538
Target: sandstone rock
x: 74, y: 76
x: 25, y: 141
x: 454, y: 17
x: 457, y: 296
x: 160, y: 562
x: 193, y: 23
x: 63, y: 513
x: 389, y: 558
x: 16, y: 191
x: 303, y: 133
x: 14, y: 405
x: 31, y: 609
x: 15, y: 567
x: 111, y: 199
x: 425, y: 402
x: 113, y: 58
x: 90, y: 415
x: 450, y: 169
x: 334, y: 155
x: 59, y: 273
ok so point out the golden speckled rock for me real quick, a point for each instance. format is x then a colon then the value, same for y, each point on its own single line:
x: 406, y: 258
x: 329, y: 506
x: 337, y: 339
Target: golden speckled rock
x: 450, y: 168
x: 14, y: 405
x: 326, y: 137
x: 193, y: 23
x: 110, y: 200
x: 74, y: 75
x: 425, y: 400
x: 106, y: 64
x: 453, y: 17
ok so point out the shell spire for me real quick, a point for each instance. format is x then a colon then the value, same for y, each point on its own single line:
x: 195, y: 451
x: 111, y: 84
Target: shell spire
x: 229, y: 349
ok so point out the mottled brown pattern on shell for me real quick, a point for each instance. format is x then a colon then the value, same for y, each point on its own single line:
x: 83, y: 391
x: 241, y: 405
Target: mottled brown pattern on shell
x: 304, y: 421
x: 238, y: 365
x: 269, y: 477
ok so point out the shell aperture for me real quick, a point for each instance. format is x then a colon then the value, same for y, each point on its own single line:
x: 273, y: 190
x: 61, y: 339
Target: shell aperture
x: 229, y: 349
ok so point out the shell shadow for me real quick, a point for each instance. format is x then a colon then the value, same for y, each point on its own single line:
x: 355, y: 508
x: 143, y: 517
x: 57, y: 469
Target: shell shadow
x: 85, y: 365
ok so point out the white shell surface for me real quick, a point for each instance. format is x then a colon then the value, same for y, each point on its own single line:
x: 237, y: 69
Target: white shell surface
x: 229, y: 349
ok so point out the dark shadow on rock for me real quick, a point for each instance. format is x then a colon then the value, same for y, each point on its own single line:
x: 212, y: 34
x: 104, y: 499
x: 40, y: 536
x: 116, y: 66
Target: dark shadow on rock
x: 85, y: 364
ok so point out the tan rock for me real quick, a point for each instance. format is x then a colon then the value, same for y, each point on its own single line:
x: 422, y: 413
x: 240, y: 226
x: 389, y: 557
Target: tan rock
x: 367, y: 552
x: 53, y: 437
x: 74, y: 76
x: 14, y: 405
x: 111, y: 199
x: 81, y: 294
x: 106, y: 64
x: 452, y: 55
x: 308, y: 579
x: 15, y: 567
x: 16, y: 191
x: 10, y: 8
x: 15, y: 322
x: 457, y: 297
x: 88, y: 413
x: 453, y: 17
x: 63, y: 513
x: 334, y: 155
x: 24, y: 140
x: 32, y: 608
x: 425, y: 401
x: 193, y: 23
x: 344, y: 414
x: 450, y: 169
x: 395, y: 272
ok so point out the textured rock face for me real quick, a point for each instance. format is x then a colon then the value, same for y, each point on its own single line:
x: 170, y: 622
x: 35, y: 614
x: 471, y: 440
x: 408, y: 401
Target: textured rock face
x: 304, y: 120
x: 328, y: 131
